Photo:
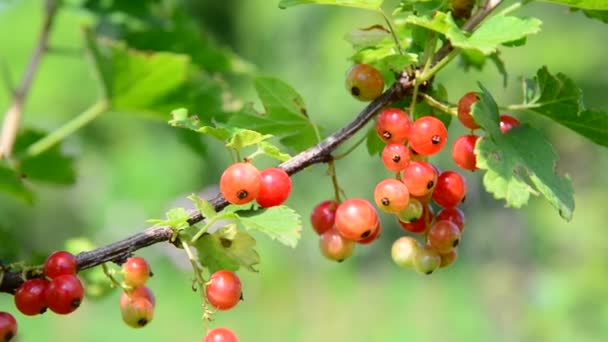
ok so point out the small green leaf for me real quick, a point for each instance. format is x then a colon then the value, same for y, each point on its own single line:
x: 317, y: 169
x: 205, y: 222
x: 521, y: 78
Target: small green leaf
x: 440, y: 22
x: 367, y: 37
x: 586, y: 4
x: 519, y: 163
x: 273, y: 151
x: 12, y: 184
x: 374, y: 144
x: 203, y: 206
x: 366, y: 4
x: 177, y: 219
x: 227, y: 249
x: 599, y: 15
x: 280, y: 223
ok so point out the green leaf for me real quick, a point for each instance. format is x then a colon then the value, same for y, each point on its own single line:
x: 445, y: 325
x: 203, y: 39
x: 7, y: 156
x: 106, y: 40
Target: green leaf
x: 440, y: 22
x: 285, y: 115
x: 280, y: 223
x: 366, y: 4
x: 273, y: 151
x: 177, y: 219
x: 519, y: 163
x: 497, y: 30
x: 586, y: 4
x: 12, y: 184
x: 599, y: 15
x: 367, y: 37
x: 558, y: 98
x: 374, y: 144
x: 227, y: 249
x: 203, y: 206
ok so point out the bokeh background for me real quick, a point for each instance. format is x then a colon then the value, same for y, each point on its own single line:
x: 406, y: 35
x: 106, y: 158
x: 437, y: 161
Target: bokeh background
x: 522, y: 275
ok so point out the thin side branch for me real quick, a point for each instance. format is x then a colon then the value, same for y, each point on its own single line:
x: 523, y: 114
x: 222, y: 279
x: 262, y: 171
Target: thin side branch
x: 12, y: 117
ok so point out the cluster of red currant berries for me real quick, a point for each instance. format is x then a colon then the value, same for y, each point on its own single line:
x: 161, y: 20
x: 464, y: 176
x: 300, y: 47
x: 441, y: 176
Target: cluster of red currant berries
x: 223, y: 292
x: 242, y: 183
x: 137, y: 301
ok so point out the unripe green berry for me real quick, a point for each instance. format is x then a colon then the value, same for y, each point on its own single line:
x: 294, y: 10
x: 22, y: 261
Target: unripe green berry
x: 404, y: 251
x: 426, y: 261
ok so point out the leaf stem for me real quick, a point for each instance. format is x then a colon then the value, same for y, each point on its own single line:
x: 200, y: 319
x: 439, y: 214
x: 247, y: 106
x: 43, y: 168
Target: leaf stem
x: 110, y: 276
x: 70, y: 127
x: 439, y: 65
x: 444, y: 107
x: 514, y: 7
x: 351, y: 149
x: 392, y: 29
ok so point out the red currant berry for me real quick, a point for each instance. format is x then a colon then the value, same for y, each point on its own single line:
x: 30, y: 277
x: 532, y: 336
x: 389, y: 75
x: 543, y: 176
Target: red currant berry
x: 412, y: 212
x: 393, y: 126
x: 395, y: 157
x: 138, y: 292
x: 454, y: 215
x: 403, y: 251
x: 275, y: 187
x: 448, y: 258
x: 240, y: 183
x: 463, y: 152
x: 8, y: 327
x: 443, y: 236
x: 464, y: 110
x: 391, y: 196
x: 137, y: 312
x: 60, y: 263
x: 419, y: 178
x: 450, y: 189
x: 426, y: 260
x: 373, y: 237
x: 356, y: 219
x: 323, y: 216
x: 364, y: 82
x: 64, y: 294
x: 224, y: 290
x: 30, y: 297
x: 420, y: 225
x: 335, y: 247
x: 220, y: 335
x: 507, y: 122
x: 136, y: 271
x: 428, y: 135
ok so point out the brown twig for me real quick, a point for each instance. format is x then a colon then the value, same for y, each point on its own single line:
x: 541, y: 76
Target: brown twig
x: 12, y: 117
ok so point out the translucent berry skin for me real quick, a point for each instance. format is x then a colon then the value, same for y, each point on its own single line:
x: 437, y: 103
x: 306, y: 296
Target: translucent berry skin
x: 404, y: 250
x: 140, y: 291
x: 463, y: 152
x: 224, y: 290
x: 8, y: 327
x: 507, y: 122
x: 426, y: 261
x: 136, y: 271
x: 137, y: 312
x: 240, y: 183
x: 323, y: 216
x: 364, y: 82
x: 393, y: 126
x: 464, y: 110
x: 275, y: 187
x: 391, y: 196
x: 395, y: 157
x: 412, y: 212
x: 422, y: 224
x: 64, y: 294
x: 454, y: 215
x: 356, y: 219
x: 448, y: 258
x: 335, y: 247
x: 220, y: 335
x: 428, y: 135
x: 443, y: 236
x: 373, y: 237
x: 419, y: 178
x: 450, y: 189
x: 60, y: 263
x: 30, y: 297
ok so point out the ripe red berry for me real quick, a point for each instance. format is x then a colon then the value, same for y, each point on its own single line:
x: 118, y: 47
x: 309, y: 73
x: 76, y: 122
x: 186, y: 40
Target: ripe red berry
x: 443, y: 236
x: 420, y: 225
x: 275, y: 187
x: 30, y: 297
x: 240, y: 183
x: 450, y: 189
x: 373, y: 237
x: 336, y: 247
x: 140, y: 291
x: 364, y: 82
x: 136, y: 271
x: 419, y: 178
x: 428, y: 135
x: 137, y: 312
x: 395, y: 157
x: 463, y: 152
x: 464, y: 110
x: 391, y: 196
x: 220, y: 335
x: 507, y: 122
x: 323, y: 216
x: 454, y: 215
x: 356, y: 219
x: 448, y: 258
x: 60, y: 263
x: 8, y: 327
x: 403, y: 251
x: 224, y: 290
x: 426, y: 260
x: 393, y: 125
x: 64, y: 294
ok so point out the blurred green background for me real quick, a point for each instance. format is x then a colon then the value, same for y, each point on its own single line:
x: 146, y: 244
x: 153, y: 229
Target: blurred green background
x: 522, y: 275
